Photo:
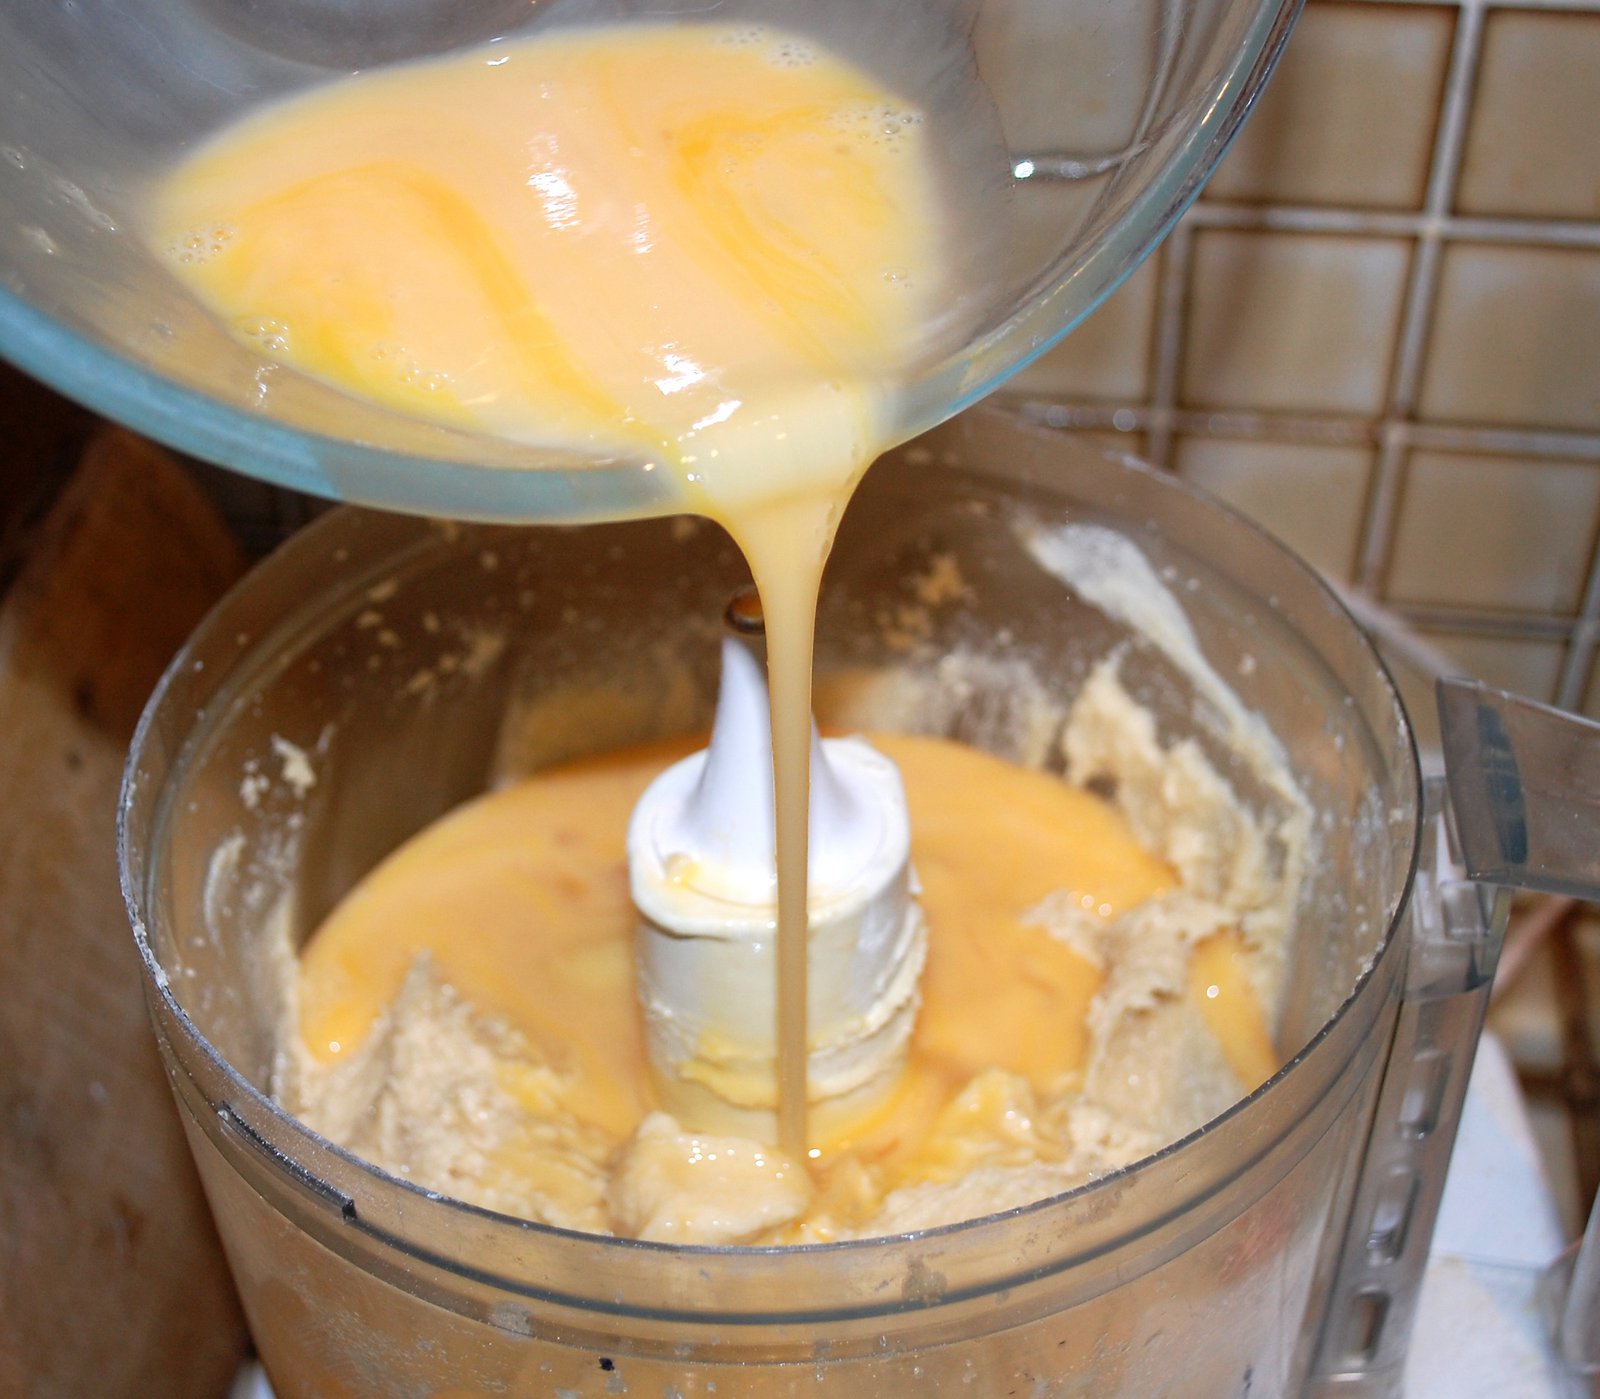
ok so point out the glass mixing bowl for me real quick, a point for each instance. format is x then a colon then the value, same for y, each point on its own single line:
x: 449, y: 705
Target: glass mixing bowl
x: 1111, y: 113
x: 481, y: 652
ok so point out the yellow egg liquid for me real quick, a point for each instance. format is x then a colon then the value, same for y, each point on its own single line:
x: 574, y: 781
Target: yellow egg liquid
x: 703, y: 247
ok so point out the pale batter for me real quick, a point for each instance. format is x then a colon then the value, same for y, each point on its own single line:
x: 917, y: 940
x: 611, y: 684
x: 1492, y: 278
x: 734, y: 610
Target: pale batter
x: 466, y: 1019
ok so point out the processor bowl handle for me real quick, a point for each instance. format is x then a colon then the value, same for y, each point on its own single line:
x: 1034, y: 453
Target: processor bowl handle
x: 1455, y: 929
x: 1525, y: 787
x: 1521, y: 811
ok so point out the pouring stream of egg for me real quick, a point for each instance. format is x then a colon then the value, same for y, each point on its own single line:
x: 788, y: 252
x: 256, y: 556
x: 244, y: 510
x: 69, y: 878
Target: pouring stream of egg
x: 712, y: 248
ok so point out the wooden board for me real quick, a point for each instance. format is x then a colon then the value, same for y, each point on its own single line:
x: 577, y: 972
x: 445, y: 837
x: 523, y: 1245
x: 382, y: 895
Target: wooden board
x: 112, y: 1283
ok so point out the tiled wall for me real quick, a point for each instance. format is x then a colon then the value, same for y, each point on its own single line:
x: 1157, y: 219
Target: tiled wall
x: 1379, y: 331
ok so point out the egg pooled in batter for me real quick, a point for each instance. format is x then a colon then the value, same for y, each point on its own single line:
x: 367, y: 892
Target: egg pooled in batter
x: 466, y: 1018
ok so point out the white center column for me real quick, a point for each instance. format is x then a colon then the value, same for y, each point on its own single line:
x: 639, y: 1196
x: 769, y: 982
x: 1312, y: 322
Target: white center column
x: 701, y: 864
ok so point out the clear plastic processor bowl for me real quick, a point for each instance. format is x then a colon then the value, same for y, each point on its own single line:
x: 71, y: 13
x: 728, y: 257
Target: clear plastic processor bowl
x: 1111, y: 113
x: 1273, y: 1252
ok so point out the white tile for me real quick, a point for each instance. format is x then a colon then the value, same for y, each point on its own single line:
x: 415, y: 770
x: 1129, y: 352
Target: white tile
x: 1494, y: 532
x: 1349, y: 116
x: 1516, y: 338
x: 1311, y: 496
x: 1531, y: 143
x: 1292, y: 322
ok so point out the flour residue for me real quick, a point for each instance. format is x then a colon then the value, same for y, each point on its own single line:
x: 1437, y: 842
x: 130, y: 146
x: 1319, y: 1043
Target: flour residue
x: 296, y: 766
x: 1253, y: 863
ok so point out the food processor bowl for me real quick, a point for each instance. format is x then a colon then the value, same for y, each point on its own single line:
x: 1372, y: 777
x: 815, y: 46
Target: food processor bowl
x: 1109, y: 114
x: 380, y: 669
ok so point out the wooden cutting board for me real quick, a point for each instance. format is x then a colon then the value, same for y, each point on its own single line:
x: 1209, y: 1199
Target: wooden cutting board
x: 112, y: 1283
